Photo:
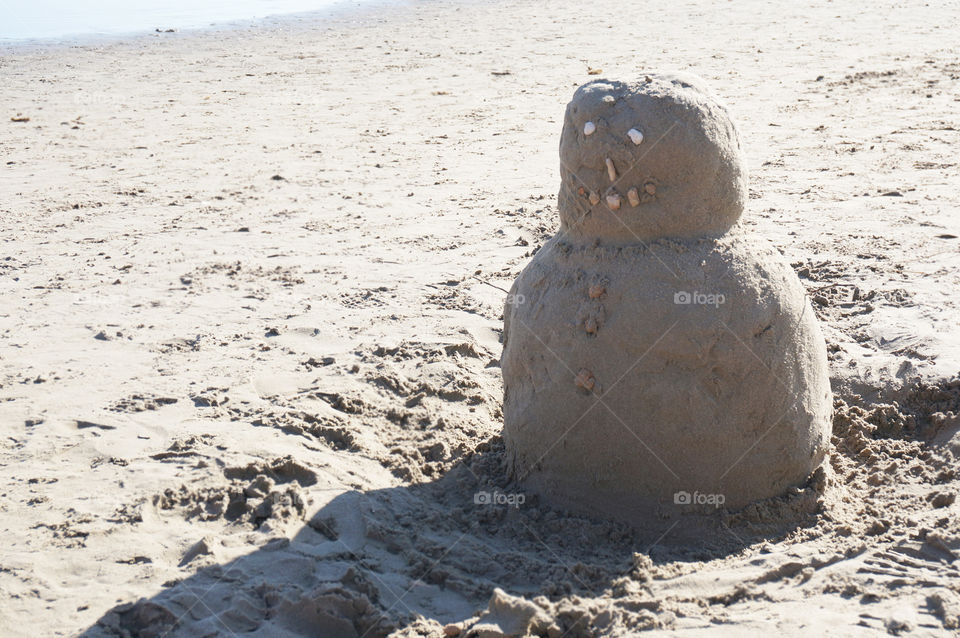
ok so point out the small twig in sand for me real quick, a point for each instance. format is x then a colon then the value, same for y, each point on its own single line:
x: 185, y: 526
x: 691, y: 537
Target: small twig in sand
x: 483, y: 281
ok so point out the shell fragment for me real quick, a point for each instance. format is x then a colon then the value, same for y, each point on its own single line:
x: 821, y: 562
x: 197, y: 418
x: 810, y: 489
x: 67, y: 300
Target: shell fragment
x: 611, y: 170
x: 589, y: 128
x: 635, y: 136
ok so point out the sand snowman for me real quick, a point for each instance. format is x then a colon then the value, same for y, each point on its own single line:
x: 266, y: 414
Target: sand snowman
x: 657, y: 357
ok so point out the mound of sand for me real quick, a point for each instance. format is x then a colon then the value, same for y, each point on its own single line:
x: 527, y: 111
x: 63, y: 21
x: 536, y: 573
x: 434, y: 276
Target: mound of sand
x: 645, y: 378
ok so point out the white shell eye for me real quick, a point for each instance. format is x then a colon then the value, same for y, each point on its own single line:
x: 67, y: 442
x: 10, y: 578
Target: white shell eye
x: 635, y: 136
x: 589, y: 128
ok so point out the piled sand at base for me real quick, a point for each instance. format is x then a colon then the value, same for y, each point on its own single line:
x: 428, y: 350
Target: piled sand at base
x: 649, y: 377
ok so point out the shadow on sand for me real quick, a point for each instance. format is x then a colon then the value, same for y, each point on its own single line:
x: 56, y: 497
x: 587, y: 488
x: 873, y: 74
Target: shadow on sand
x: 369, y: 563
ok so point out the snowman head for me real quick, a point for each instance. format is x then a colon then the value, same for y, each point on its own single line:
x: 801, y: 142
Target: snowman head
x: 649, y: 159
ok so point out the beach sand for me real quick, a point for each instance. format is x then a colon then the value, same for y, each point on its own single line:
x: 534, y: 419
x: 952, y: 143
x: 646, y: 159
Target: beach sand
x: 252, y: 285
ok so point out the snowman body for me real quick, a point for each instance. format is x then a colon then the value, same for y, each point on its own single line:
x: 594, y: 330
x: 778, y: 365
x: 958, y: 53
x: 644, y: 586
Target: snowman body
x: 656, y: 357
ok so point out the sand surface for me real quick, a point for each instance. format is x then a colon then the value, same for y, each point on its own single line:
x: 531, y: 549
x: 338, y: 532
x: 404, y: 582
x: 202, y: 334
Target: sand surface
x: 251, y: 290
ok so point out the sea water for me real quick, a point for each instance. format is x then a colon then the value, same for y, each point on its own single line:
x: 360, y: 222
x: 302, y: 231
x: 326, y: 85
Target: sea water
x: 26, y: 20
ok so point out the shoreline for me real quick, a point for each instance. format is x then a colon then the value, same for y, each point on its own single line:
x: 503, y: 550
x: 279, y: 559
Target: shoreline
x: 340, y: 11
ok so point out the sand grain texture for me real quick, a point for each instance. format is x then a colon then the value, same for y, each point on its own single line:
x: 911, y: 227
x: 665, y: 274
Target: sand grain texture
x: 250, y: 296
